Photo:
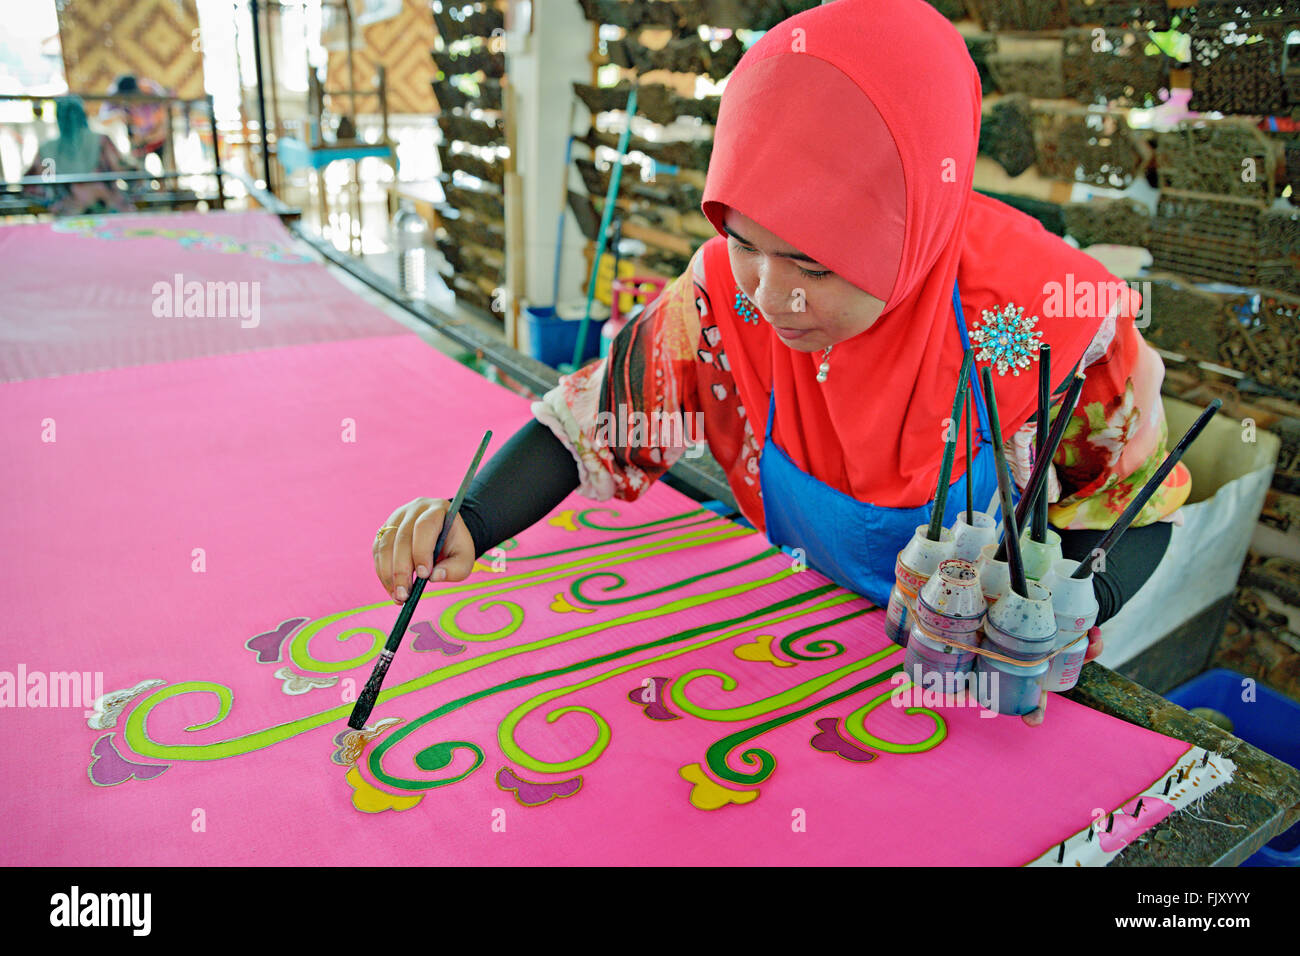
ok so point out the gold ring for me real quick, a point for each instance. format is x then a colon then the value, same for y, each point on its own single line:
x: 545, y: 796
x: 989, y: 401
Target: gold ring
x: 388, y: 527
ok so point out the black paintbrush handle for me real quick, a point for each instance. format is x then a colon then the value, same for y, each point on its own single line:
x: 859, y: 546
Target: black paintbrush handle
x: 370, y: 693
x: 1015, y: 564
x: 950, y: 448
x: 1038, y: 529
x: 1153, y: 484
x: 1037, y: 483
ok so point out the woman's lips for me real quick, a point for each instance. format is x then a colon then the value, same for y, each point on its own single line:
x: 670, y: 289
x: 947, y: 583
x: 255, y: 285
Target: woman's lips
x: 791, y: 334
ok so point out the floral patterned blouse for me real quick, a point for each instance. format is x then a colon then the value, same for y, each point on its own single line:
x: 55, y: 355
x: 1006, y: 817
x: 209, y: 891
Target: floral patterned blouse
x: 669, y: 366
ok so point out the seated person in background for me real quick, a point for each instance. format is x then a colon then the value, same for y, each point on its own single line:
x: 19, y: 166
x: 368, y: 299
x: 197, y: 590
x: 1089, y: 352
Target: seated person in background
x: 146, y: 123
x: 77, y: 150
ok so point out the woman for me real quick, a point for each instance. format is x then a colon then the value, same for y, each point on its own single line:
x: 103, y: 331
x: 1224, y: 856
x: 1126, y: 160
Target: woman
x: 822, y: 332
x: 77, y: 150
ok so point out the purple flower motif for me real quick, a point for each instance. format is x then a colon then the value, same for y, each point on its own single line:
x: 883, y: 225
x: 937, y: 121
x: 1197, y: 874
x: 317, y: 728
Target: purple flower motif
x: 536, y: 794
x: 268, y: 645
x: 830, y: 741
x: 108, y: 768
x: 650, y: 694
x: 428, y: 639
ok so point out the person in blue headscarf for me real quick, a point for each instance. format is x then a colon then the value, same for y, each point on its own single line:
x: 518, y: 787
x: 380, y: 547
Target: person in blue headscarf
x: 77, y: 150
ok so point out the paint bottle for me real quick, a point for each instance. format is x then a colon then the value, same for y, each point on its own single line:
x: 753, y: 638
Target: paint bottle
x: 968, y: 539
x: 1075, y: 604
x: 950, y: 605
x: 1023, y: 628
x: 995, y: 575
x: 928, y: 660
x: 916, y: 562
x: 1039, y: 558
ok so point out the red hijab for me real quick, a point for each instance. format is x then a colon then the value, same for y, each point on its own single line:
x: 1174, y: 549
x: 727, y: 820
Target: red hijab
x: 850, y: 131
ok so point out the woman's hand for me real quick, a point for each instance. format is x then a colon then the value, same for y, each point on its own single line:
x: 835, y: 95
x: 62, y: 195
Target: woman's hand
x: 1035, y: 717
x: 407, y: 547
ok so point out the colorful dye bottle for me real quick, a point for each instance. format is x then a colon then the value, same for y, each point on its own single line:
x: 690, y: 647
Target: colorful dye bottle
x: 1039, y: 558
x: 968, y: 539
x: 1075, y: 604
x: 916, y: 562
x: 950, y: 605
x: 1023, y: 628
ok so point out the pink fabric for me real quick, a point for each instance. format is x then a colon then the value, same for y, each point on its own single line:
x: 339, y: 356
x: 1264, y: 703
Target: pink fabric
x: 78, y: 294
x: 242, y: 456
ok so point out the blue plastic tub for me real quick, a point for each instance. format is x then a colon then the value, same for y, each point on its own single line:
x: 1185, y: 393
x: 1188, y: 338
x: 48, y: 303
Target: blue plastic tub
x: 552, y: 339
x: 1270, y: 722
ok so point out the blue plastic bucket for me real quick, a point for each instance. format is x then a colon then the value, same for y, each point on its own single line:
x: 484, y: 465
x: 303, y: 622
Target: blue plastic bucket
x: 552, y: 339
x: 1270, y: 722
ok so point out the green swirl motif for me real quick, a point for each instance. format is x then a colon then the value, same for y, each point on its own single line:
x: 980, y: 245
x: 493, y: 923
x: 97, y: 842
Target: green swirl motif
x: 744, y: 625
x: 619, y: 581
x: 856, y: 726
x: 505, y: 732
x: 819, y: 650
x: 661, y: 526
x: 137, y: 737
x: 450, y: 626
x: 718, y: 752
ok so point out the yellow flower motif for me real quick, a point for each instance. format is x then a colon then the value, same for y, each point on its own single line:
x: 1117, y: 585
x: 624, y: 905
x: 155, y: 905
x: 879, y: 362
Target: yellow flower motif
x: 370, y: 799
x: 708, y: 795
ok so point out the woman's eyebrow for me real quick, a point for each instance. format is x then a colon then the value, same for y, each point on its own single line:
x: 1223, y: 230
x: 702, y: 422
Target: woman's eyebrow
x: 782, y: 255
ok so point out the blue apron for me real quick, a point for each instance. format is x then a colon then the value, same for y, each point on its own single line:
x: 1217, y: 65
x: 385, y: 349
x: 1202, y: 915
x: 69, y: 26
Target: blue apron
x: 855, y: 542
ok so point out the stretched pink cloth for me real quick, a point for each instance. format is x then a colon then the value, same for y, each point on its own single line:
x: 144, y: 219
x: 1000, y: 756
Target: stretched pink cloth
x: 96, y: 292
x: 624, y: 684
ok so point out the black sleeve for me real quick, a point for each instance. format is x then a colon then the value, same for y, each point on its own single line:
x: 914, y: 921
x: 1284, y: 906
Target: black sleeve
x: 521, y: 484
x: 1128, y: 565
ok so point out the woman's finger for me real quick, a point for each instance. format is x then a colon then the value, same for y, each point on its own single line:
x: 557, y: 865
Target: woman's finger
x: 427, y: 528
x: 382, y: 550
x: 1095, y: 646
x: 402, y: 565
x: 1035, y: 717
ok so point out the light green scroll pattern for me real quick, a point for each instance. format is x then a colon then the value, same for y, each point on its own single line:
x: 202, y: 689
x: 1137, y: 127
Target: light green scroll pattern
x: 787, y: 697
x: 856, y: 726
x: 482, y: 590
x: 447, y: 620
x: 506, y: 732
x: 377, y: 755
x: 136, y: 729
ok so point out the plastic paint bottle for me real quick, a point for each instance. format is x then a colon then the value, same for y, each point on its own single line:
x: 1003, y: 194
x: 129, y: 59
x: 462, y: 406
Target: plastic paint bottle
x: 950, y: 605
x: 1039, y: 558
x: 969, y: 539
x: 919, y: 559
x: 1075, y: 604
x: 1023, y: 628
x: 995, y: 575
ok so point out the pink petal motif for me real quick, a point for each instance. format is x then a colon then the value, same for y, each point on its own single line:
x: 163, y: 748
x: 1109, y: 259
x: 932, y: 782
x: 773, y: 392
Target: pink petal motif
x: 108, y: 767
x: 1127, y: 827
x: 536, y: 794
x: 830, y: 741
x: 428, y: 639
x: 268, y: 645
x: 651, y: 697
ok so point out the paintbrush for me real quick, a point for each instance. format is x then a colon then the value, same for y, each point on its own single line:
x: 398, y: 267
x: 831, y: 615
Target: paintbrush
x: 1038, y: 528
x: 1015, y: 564
x: 950, y: 448
x: 1153, y: 484
x: 970, y: 423
x: 370, y: 694
x: 1037, y: 483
